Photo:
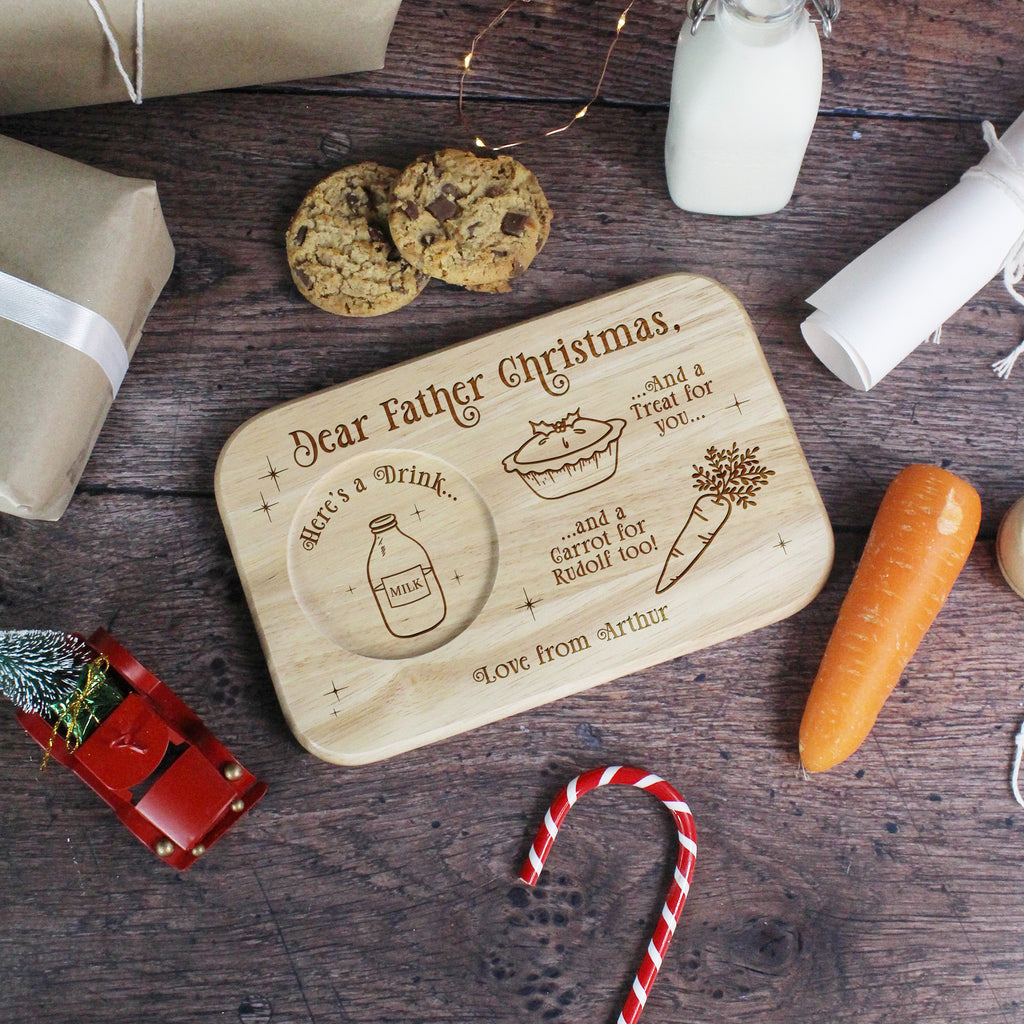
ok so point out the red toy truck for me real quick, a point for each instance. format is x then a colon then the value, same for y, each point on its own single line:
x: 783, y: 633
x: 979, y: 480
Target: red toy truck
x: 168, y: 778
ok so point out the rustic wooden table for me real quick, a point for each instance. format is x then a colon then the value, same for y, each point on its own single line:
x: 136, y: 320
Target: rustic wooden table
x: 884, y: 890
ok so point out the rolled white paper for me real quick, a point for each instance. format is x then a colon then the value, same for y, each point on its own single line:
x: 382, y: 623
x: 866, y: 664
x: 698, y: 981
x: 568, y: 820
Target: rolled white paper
x: 880, y: 307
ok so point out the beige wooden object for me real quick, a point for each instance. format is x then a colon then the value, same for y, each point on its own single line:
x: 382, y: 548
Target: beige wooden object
x: 520, y: 517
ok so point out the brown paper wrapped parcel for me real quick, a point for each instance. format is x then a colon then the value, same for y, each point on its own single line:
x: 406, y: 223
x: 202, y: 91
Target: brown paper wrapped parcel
x: 83, y: 257
x: 55, y: 53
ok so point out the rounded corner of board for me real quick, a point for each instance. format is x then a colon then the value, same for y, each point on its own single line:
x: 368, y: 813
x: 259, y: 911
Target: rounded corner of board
x: 327, y: 754
x: 401, y: 525
x: 344, y: 757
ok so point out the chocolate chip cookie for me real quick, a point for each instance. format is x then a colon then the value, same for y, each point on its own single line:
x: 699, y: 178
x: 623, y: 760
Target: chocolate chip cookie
x: 470, y: 220
x: 339, y: 245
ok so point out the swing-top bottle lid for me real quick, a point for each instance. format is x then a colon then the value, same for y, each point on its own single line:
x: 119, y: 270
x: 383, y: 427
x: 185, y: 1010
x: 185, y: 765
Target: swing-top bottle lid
x: 766, y: 13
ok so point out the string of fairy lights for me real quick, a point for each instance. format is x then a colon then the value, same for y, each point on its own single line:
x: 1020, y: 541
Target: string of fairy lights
x: 467, y: 64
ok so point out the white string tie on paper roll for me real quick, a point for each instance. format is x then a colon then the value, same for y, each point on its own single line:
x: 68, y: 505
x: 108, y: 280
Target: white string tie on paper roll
x: 1015, y: 774
x: 999, y: 168
x: 134, y: 88
x: 65, y: 321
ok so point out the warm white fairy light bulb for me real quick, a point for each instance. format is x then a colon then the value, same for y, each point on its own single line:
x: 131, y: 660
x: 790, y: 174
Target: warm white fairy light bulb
x: 467, y: 61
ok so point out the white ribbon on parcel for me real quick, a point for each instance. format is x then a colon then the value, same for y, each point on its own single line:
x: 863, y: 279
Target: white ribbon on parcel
x: 65, y: 321
x: 880, y: 307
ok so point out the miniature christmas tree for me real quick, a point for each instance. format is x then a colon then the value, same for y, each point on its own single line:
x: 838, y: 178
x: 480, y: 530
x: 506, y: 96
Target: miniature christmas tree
x: 40, y: 668
x: 56, y: 676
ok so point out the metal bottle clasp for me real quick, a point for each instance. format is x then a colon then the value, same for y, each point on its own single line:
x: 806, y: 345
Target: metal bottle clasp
x: 828, y: 11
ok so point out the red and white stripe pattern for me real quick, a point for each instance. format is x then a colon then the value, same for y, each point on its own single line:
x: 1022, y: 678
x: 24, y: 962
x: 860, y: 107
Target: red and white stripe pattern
x: 678, y: 890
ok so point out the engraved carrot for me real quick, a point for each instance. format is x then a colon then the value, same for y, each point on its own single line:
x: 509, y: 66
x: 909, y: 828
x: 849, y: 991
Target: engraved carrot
x: 923, y: 532
x: 731, y: 477
x: 706, y: 518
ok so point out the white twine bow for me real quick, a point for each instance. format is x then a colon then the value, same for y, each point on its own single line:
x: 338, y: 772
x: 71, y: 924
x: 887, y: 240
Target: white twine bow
x: 134, y: 88
x: 999, y: 167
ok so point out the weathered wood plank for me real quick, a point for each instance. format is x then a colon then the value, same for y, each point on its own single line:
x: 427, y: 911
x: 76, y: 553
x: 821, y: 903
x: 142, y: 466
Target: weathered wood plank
x: 839, y: 892
x: 231, y: 337
x: 883, y: 890
x: 885, y: 58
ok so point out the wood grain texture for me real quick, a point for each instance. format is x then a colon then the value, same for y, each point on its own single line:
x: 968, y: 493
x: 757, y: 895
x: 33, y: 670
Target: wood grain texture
x: 477, y: 531
x: 886, y: 890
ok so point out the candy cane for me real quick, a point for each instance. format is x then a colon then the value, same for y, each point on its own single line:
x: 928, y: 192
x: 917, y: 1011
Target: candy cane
x: 656, y: 786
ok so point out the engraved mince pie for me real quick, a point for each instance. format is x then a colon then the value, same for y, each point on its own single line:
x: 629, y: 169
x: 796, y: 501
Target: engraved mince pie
x: 567, y: 456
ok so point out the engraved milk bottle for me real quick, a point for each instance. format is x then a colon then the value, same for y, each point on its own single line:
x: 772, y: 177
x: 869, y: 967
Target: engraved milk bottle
x: 404, y: 583
x: 746, y: 84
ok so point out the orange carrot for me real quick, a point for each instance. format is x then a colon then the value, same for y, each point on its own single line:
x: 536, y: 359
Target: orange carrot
x: 919, y: 542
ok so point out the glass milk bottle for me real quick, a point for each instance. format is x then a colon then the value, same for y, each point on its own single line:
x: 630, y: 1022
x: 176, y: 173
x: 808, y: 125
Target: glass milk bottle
x: 745, y: 90
x: 403, y: 580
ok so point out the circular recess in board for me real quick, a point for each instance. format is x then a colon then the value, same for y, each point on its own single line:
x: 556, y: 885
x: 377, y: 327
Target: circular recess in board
x: 392, y: 554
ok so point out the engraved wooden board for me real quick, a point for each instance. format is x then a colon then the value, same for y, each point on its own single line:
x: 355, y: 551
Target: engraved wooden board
x: 520, y: 517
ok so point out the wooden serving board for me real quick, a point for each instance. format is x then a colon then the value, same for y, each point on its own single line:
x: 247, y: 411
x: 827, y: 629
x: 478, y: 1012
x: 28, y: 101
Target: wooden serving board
x: 494, y: 526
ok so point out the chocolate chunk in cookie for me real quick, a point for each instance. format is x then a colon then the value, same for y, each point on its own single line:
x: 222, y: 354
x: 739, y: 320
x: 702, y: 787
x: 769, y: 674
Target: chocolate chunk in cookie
x: 339, y: 245
x: 470, y: 220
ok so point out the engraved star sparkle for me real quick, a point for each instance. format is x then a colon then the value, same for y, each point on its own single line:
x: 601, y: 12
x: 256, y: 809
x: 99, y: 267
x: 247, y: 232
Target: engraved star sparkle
x: 265, y: 506
x: 335, y: 690
x: 272, y: 473
x: 529, y: 604
x: 738, y: 404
